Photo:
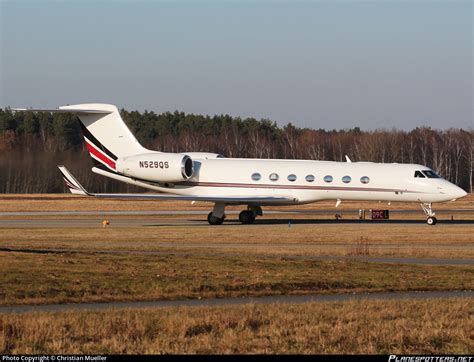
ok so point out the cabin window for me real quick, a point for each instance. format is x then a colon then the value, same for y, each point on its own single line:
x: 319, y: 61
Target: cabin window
x: 292, y: 178
x: 310, y: 178
x: 328, y: 178
x: 256, y: 176
x: 346, y: 179
x: 419, y: 174
x: 365, y: 179
x: 273, y: 177
x: 430, y: 174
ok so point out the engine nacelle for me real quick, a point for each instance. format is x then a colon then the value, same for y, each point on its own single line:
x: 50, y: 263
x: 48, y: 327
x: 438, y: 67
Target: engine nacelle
x: 203, y: 155
x: 157, y: 166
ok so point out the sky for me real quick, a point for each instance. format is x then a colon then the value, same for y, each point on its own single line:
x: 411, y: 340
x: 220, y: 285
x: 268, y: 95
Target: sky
x: 318, y: 64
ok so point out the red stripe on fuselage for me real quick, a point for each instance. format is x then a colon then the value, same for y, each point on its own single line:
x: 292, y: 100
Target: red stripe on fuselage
x: 104, y: 158
x: 298, y: 187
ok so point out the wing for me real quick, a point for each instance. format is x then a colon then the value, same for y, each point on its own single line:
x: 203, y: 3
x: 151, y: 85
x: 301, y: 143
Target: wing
x: 76, y: 188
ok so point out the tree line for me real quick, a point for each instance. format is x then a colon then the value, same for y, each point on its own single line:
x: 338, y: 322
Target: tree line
x: 33, y: 144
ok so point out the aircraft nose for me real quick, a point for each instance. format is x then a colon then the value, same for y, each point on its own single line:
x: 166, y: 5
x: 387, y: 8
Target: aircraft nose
x: 458, y: 192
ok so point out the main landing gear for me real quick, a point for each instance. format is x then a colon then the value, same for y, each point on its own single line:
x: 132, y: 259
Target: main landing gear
x: 248, y: 216
x: 213, y: 220
x: 430, y: 215
x: 217, y: 215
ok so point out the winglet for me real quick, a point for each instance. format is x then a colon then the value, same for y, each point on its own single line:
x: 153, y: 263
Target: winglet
x: 72, y: 184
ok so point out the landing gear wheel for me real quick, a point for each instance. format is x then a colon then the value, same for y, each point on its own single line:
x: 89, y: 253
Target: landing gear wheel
x: 211, y: 219
x: 431, y: 220
x: 247, y: 217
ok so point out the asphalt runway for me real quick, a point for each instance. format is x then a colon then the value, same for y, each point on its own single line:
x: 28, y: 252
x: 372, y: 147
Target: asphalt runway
x: 51, y: 222
x: 205, y: 212
x: 294, y: 299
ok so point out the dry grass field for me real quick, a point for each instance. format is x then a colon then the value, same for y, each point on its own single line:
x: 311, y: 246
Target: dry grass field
x: 368, y: 327
x: 181, y: 256
x: 405, y: 240
x: 29, y: 278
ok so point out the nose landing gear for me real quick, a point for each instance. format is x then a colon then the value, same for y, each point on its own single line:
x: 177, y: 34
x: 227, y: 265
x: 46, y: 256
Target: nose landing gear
x: 431, y: 220
x: 430, y: 215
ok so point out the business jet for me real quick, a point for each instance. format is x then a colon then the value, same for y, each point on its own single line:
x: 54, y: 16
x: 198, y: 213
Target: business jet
x: 203, y: 176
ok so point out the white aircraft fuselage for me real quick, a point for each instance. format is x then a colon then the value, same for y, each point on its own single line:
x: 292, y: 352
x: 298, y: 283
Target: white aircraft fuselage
x: 233, y: 177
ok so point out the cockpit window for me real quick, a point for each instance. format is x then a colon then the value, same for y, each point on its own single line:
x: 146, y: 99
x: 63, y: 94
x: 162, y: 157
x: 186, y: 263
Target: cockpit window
x: 419, y: 174
x: 430, y: 174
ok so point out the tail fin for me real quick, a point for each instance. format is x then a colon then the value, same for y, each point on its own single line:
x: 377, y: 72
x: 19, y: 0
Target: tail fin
x: 106, y: 135
x: 74, y: 186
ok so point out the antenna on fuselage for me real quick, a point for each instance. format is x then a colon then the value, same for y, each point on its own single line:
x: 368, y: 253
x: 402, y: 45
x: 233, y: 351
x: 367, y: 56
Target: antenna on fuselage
x: 348, y: 159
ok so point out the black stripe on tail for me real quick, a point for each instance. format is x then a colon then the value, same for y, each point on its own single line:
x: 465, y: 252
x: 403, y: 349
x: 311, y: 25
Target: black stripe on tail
x: 68, y: 181
x: 96, y: 142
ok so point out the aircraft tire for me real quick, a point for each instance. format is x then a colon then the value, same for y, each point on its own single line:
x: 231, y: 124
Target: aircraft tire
x: 212, y: 220
x: 247, y: 217
x: 431, y: 220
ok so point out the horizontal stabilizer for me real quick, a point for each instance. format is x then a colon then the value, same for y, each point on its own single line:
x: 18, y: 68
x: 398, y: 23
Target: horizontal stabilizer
x: 63, y: 110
